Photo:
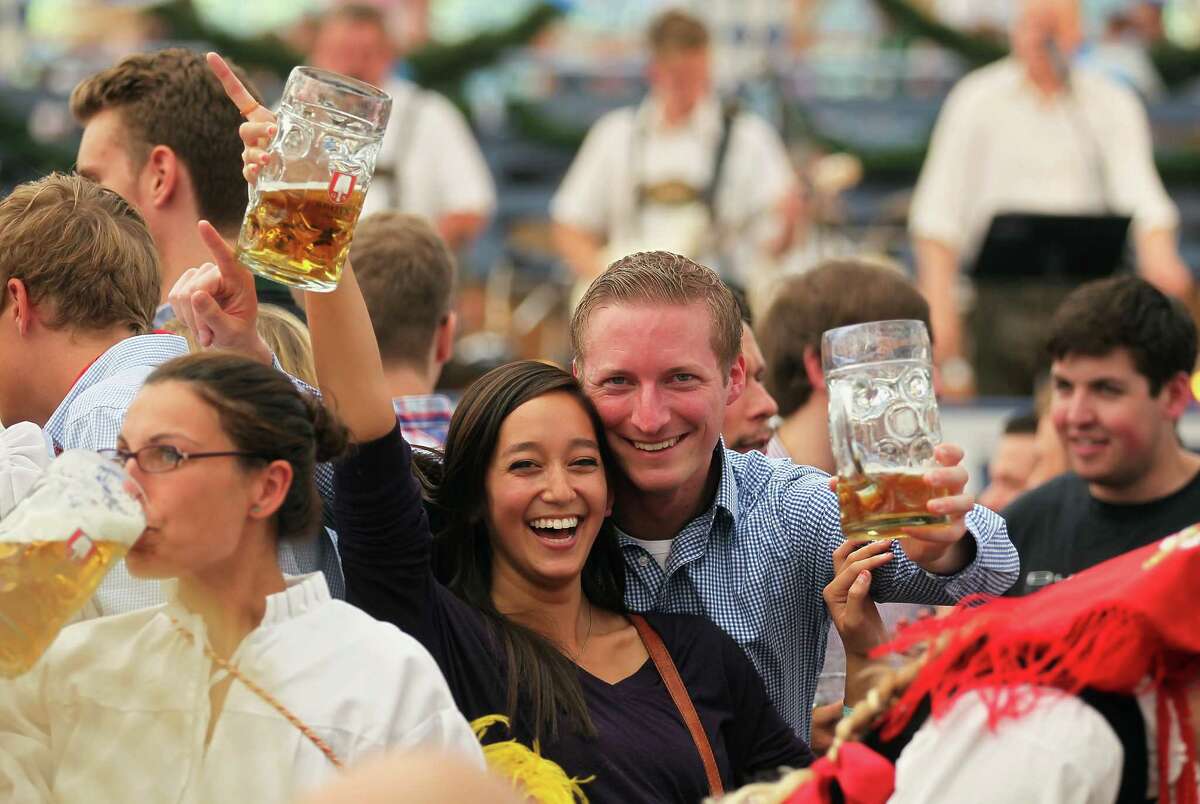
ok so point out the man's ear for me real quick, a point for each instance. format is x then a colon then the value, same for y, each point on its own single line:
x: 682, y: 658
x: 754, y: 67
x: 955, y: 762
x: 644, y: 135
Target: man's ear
x: 812, y: 368
x: 17, y: 306
x: 737, y: 379
x: 161, y: 175
x: 1176, y: 394
x: 444, y: 338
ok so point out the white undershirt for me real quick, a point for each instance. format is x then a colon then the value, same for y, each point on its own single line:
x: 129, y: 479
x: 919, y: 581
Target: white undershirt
x: 658, y: 549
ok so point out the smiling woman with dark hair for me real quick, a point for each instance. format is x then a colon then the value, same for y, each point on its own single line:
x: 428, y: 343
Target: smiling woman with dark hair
x: 531, y: 626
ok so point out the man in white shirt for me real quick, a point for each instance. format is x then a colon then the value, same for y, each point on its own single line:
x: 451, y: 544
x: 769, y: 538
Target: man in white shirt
x: 429, y: 163
x: 1027, y: 134
x: 678, y: 173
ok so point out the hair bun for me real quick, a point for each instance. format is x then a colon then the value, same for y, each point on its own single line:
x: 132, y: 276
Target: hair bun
x: 331, y: 436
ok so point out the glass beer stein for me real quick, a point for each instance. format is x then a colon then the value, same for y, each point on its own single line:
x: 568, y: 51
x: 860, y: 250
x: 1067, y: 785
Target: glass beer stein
x: 883, y: 426
x: 306, y: 200
x: 77, y: 520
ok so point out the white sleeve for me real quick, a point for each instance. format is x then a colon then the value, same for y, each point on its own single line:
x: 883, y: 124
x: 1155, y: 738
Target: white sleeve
x: 23, y: 458
x: 26, y: 751
x: 940, y: 202
x: 764, y: 172
x: 1133, y: 181
x: 464, y: 183
x: 424, y: 712
x: 583, y: 197
x: 1063, y: 752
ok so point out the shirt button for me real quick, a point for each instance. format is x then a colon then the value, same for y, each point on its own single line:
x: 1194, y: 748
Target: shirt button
x: 644, y: 561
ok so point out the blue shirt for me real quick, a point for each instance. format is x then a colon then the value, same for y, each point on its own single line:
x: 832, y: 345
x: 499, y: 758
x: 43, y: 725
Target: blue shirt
x: 756, y: 561
x: 90, y: 417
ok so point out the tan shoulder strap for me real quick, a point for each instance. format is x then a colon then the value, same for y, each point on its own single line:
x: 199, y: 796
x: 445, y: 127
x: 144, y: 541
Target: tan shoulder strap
x: 683, y: 702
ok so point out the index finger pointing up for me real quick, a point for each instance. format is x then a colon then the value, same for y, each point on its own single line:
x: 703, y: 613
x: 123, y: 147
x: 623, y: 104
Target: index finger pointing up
x: 250, y: 108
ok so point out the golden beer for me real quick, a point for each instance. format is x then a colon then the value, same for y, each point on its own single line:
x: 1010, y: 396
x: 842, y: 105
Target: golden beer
x: 299, y: 234
x: 42, y: 585
x: 878, y: 506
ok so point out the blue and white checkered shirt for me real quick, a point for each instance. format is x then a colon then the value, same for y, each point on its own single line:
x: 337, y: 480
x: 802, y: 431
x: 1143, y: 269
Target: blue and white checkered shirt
x: 90, y: 417
x: 756, y: 561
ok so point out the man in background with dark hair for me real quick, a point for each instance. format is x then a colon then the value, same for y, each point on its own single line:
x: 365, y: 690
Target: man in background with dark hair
x: 159, y: 131
x: 1122, y: 355
x: 748, y: 418
x: 429, y: 163
x: 406, y: 273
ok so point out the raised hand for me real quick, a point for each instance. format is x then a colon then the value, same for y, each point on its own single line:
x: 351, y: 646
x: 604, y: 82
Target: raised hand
x: 260, y: 126
x: 217, y: 301
x: 848, y: 595
x: 942, y: 549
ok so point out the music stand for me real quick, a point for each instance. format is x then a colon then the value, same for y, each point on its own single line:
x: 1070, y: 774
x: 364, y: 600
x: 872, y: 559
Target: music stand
x: 1062, y: 249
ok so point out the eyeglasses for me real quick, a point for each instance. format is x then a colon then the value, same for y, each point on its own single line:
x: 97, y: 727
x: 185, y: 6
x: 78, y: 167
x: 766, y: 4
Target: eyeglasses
x: 159, y: 458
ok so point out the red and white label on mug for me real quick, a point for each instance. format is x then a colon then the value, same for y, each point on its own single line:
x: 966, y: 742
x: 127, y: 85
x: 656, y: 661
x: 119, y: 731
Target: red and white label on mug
x: 341, y: 185
x: 80, y: 547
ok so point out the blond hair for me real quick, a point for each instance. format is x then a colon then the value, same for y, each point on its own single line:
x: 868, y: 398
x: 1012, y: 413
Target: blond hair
x: 660, y: 277
x: 288, y: 338
x: 82, y: 252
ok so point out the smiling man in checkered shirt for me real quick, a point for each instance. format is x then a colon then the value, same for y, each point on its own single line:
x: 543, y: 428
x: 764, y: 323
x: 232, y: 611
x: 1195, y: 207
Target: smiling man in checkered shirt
x: 742, y: 539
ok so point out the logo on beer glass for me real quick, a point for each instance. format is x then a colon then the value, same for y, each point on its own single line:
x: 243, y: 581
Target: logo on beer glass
x: 341, y: 186
x: 79, y: 547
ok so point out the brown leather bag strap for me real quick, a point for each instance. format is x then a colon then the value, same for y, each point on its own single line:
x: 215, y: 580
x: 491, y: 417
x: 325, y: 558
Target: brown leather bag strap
x: 683, y: 702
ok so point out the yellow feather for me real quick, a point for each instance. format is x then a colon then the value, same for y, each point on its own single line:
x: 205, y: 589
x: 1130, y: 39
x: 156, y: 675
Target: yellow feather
x: 542, y: 780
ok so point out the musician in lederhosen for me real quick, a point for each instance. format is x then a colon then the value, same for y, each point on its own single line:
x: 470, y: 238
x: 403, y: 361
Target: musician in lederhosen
x: 682, y: 172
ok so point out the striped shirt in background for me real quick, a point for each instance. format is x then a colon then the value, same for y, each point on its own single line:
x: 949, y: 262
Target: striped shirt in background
x: 424, y: 420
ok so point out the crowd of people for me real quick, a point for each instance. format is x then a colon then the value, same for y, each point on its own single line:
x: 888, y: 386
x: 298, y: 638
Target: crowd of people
x: 623, y: 579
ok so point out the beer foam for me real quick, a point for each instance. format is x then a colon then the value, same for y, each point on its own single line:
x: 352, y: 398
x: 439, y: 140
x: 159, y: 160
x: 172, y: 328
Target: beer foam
x: 80, y: 491
x: 277, y: 186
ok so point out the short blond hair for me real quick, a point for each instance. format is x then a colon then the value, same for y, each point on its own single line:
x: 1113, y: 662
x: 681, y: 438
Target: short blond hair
x: 660, y: 277
x: 82, y: 252
x: 288, y: 337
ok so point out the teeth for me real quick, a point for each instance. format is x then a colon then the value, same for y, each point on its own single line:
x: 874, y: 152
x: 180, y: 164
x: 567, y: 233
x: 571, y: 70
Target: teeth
x: 661, y: 445
x: 564, y: 523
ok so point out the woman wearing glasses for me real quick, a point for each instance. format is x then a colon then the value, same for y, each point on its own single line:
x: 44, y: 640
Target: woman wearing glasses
x: 246, y: 685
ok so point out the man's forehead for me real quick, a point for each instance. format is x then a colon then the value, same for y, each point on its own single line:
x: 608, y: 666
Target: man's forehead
x: 1117, y: 363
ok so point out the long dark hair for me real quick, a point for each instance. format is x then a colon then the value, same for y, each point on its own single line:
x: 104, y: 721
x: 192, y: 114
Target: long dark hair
x: 264, y: 414
x: 539, y: 675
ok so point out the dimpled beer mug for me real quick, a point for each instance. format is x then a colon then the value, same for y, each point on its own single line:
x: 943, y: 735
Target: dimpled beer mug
x: 883, y: 426
x: 306, y: 200
x: 78, y: 519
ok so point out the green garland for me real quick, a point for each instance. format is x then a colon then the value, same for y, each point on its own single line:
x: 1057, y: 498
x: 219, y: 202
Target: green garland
x: 261, y: 52
x: 434, y: 65
x: 445, y: 67
x: 1177, y: 65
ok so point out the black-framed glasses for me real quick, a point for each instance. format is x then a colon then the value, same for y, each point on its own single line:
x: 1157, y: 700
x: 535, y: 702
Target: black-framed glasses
x: 159, y: 458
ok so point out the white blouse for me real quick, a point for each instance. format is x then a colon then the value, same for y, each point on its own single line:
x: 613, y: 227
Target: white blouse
x: 1061, y: 752
x: 118, y: 708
